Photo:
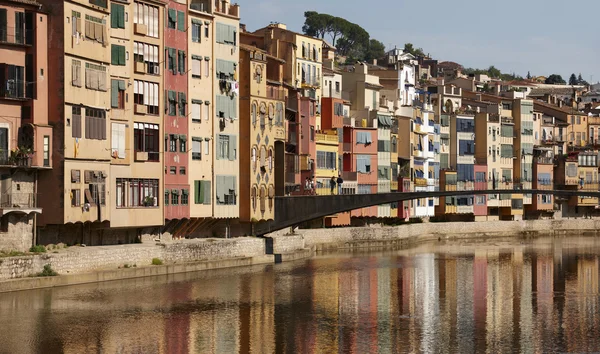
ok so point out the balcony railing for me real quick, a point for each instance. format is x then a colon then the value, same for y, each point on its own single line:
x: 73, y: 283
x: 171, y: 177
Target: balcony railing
x: 18, y: 200
x: 275, y: 93
x: 7, y: 160
x: 349, y: 176
x: 13, y: 89
x: 12, y: 35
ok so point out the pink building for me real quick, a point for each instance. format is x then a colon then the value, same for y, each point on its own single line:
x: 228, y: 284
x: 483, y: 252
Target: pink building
x: 480, y: 202
x: 176, y: 113
x: 307, y: 142
x: 360, y: 156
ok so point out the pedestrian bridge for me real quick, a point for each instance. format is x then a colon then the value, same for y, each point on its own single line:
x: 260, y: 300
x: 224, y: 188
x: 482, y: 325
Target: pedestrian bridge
x: 294, y: 210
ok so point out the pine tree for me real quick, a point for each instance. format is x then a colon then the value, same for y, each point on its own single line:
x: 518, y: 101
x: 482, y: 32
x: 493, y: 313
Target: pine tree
x: 579, y: 79
x: 573, y: 79
x: 528, y: 75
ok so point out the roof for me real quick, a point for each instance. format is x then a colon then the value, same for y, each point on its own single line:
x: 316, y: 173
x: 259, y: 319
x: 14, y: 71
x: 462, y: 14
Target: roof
x: 551, y: 91
x: 26, y: 2
x: 565, y: 110
x: 251, y: 48
x: 373, y: 86
x: 449, y: 65
x: 518, y: 83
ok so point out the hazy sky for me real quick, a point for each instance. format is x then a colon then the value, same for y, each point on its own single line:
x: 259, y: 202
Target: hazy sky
x: 540, y: 36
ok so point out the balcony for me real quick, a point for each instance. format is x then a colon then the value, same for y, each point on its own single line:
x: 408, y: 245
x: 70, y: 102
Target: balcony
x: 329, y: 138
x: 16, y: 158
x: 231, y: 10
x: 275, y: 93
x: 13, y: 89
x: 418, y: 153
x: 12, y: 35
x: 349, y: 176
x: 420, y: 182
x: 18, y: 202
x: 200, y: 5
x: 544, y: 160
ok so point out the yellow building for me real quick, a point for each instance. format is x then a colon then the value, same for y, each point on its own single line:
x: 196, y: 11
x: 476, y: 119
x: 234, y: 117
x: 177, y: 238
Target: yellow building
x: 262, y: 110
x: 108, y: 105
x: 327, y: 160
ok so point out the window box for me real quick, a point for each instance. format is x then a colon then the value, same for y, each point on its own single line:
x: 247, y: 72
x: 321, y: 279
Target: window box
x: 141, y: 109
x: 141, y: 156
x: 139, y: 28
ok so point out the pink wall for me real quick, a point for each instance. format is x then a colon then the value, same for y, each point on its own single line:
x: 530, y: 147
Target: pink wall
x: 480, y: 210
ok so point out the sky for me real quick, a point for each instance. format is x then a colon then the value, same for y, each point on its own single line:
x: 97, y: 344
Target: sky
x: 539, y: 36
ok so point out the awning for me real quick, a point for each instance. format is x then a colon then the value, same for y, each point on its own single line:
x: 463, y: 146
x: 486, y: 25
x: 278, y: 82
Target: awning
x: 385, y: 121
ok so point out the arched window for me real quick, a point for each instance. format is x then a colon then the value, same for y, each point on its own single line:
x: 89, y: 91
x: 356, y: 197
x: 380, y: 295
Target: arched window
x: 271, y: 114
x: 253, y: 114
x: 254, y: 192
x: 271, y: 196
x: 270, y: 159
x: 263, y: 199
x: 263, y: 158
x: 254, y: 158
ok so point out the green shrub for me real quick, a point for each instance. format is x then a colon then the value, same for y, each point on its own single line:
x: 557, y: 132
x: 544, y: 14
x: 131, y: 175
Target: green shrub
x: 47, y: 272
x: 157, y: 261
x: 37, y: 249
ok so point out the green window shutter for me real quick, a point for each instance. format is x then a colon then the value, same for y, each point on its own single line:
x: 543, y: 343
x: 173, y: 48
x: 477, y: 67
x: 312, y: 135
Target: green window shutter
x: 114, y: 54
x: 114, y: 93
x: 207, y: 192
x: 172, y: 15
x: 180, y: 21
x: 198, y: 192
x: 121, y: 16
x: 232, y: 147
x: 114, y: 17
x: 121, y: 55
x: 182, y: 104
x: 182, y: 62
x: 173, y: 59
x: 122, y: 85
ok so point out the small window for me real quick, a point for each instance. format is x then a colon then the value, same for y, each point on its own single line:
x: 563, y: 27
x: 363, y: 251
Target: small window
x: 75, y: 197
x: 173, y: 170
x: 182, y: 171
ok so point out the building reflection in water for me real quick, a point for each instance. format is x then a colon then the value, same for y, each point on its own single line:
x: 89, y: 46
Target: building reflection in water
x: 530, y: 298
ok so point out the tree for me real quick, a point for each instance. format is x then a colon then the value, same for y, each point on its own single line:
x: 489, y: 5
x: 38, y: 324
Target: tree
x: 376, y: 50
x: 573, y: 79
x: 555, y: 79
x: 528, y: 75
x: 581, y: 81
x: 409, y: 48
x: 493, y: 72
x: 316, y: 24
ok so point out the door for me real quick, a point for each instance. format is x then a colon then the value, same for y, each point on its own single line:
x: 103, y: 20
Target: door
x: 3, y: 146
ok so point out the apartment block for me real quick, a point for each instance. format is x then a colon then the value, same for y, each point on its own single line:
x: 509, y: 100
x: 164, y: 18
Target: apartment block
x: 106, y: 58
x: 25, y: 136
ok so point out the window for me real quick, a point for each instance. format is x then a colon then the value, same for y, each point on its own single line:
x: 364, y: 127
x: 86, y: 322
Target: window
x: 46, y: 150
x: 101, y: 3
x: 206, y: 146
x: 117, y: 54
x: 182, y: 171
x: 75, y: 23
x: 226, y: 34
x: 465, y: 172
x: 146, y: 93
x: 76, y: 73
x: 173, y: 142
x: 571, y: 170
x: 13, y: 81
x: 182, y: 143
x: 480, y: 200
x: 96, y: 192
x: 95, y: 77
x: 95, y: 124
x: 363, y: 163
x: 202, y: 192
x: 206, y: 66
x: 279, y: 114
x: 184, y: 197
x: 95, y: 29
x: 225, y: 71
x: 226, y: 190
x: 182, y: 103
x: 117, y: 16
x: 196, y: 66
x: 226, y: 147
x: 206, y: 29
x: 337, y: 86
x: 465, y: 147
x: 226, y: 107
x: 142, y: 193
x: 506, y: 151
x: 147, y: 54
x: 173, y: 170
x: 196, y: 111
x: 76, y: 121
x: 206, y: 110
x: 75, y: 176
x: 196, y: 148
x: 196, y: 31
x: 147, y: 15
x: 465, y: 125
x: 145, y: 139
x: 172, y: 18
x: 75, y: 197
x: 172, y: 60
x: 312, y: 133
x: 118, y: 140
x: 117, y: 94
x: 172, y: 101
x: 181, y: 64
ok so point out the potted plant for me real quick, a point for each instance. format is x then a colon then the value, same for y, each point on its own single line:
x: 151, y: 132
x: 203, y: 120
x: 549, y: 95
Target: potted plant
x: 149, y: 201
x: 21, y: 156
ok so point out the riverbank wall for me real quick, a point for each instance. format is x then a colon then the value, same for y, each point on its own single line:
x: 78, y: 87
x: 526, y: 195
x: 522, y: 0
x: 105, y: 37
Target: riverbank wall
x: 78, y: 265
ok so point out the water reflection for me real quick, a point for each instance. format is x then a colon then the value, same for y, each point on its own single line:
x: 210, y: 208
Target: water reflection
x: 501, y: 297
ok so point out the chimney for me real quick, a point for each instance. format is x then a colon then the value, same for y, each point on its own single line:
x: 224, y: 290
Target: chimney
x: 242, y: 27
x: 375, y: 62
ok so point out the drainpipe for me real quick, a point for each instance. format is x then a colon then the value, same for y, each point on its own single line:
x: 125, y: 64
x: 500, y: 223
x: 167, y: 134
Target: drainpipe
x: 35, y: 180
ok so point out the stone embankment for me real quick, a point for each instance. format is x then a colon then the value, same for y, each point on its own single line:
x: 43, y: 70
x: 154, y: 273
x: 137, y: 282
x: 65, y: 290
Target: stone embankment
x: 78, y: 265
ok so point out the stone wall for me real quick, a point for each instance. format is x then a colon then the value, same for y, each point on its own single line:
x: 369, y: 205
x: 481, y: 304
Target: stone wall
x: 78, y: 260
x: 19, y: 233
x: 325, y: 238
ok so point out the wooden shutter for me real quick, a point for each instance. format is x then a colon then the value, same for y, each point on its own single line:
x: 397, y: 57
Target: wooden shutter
x: 180, y: 21
x: 207, y: 192
x: 114, y: 20
x: 114, y: 93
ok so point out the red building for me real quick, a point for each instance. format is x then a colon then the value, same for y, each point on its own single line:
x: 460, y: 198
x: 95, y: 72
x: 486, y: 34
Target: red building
x: 176, y: 113
x: 307, y: 142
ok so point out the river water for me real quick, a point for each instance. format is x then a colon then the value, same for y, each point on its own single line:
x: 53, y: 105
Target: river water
x: 496, y: 297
